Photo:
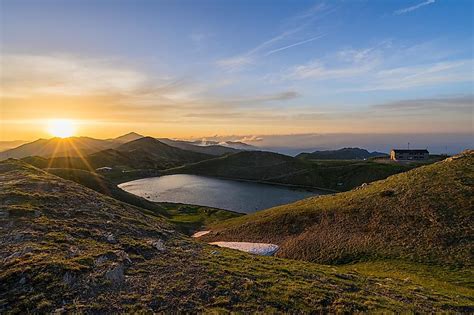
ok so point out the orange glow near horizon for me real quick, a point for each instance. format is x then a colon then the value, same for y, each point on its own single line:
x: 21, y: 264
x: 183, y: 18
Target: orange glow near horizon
x: 61, y: 128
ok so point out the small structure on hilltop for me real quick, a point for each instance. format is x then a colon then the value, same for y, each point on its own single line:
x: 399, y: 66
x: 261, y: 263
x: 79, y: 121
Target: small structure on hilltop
x: 409, y: 155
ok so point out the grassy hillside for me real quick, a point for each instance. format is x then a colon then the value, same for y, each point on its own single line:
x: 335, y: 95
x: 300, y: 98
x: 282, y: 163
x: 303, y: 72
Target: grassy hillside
x: 277, y: 168
x: 67, y: 248
x: 423, y: 215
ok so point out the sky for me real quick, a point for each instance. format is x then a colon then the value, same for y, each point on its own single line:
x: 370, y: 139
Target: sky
x: 202, y: 68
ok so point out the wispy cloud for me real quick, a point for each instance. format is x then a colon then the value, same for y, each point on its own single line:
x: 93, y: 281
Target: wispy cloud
x: 279, y: 96
x: 463, y: 103
x: 414, y: 7
x: 343, y: 64
x: 316, y: 70
x: 376, y: 68
x: 421, y: 75
x: 235, y: 63
x: 251, y: 138
x: 65, y: 74
x: 293, y: 45
x: 266, y: 48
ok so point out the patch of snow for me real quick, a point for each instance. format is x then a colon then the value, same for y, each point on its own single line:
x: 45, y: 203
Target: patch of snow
x: 200, y: 233
x: 264, y: 249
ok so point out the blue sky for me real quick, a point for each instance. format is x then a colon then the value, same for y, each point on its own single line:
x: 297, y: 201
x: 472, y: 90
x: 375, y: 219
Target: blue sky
x: 238, y: 67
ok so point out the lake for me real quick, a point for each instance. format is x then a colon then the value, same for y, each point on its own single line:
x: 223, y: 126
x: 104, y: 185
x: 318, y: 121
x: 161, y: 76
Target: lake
x: 244, y: 197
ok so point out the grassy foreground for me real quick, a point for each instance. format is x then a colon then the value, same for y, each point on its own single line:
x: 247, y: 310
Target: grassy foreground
x: 68, y: 248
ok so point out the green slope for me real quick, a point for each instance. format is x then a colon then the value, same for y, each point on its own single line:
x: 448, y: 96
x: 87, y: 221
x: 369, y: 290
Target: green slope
x: 423, y: 215
x: 66, y: 248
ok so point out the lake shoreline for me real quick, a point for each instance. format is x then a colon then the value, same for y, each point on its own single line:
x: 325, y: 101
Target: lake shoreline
x: 300, y: 187
x: 240, y: 196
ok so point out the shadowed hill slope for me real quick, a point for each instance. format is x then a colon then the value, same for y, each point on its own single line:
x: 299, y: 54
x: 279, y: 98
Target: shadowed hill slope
x: 424, y: 215
x: 247, y: 165
x: 66, y: 248
x: 282, y: 169
x: 157, y: 149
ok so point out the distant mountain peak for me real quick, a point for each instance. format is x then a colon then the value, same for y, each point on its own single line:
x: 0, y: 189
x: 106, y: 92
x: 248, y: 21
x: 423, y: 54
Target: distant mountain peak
x: 131, y: 136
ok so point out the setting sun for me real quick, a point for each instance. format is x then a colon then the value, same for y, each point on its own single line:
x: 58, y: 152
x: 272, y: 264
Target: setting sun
x: 61, y: 128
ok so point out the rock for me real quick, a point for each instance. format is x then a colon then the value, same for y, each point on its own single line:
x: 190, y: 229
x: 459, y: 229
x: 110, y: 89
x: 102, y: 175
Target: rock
x: 22, y: 281
x: 123, y: 256
x: 158, y: 244
x: 100, y: 260
x: 18, y: 237
x: 4, y: 214
x: 69, y: 279
x: 111, y: 238
x: 116, y: 273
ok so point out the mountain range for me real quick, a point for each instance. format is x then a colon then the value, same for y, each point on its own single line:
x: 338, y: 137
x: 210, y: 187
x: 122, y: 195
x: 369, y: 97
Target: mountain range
x: 82, y: 146
x: 143, y: 153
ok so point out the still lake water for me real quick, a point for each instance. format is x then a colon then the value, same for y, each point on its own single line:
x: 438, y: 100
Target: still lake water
x: 245, y: 197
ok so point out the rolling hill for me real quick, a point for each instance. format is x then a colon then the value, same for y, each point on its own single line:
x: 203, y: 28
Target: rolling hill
x: 67, y: 248
x: 341, y: 154
x: 152, y: 148
x: 282, y: 169
x: 424, y: 215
